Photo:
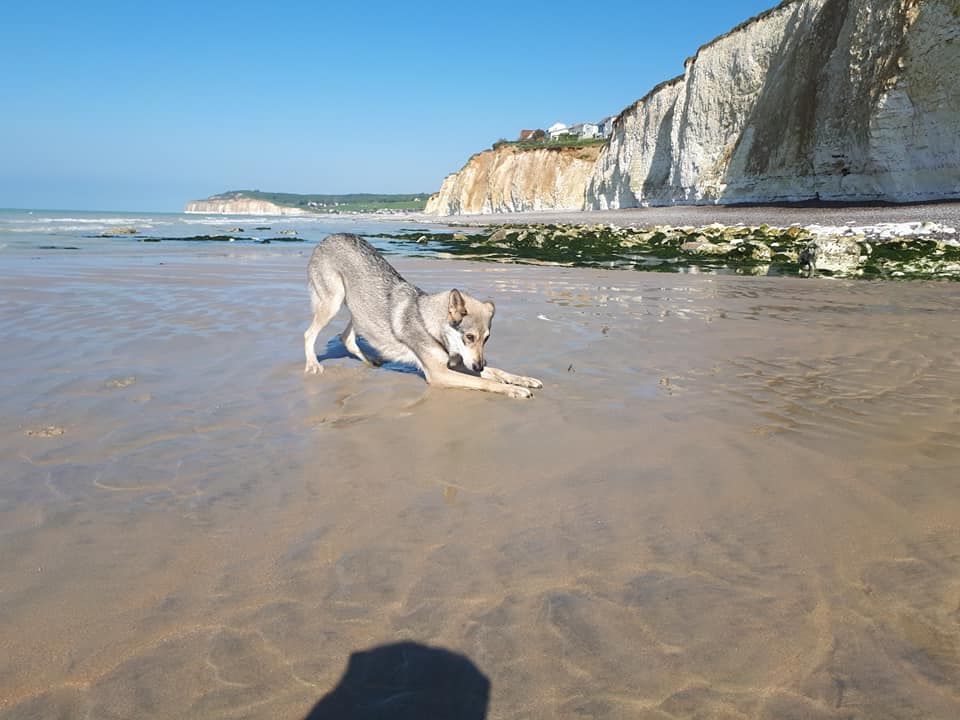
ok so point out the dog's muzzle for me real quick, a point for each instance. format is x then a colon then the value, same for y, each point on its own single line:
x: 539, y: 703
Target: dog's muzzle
x: 455, y: 362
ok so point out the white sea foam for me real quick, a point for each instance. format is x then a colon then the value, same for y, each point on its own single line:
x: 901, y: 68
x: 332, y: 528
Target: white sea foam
x: 59, y: 229
x: 248, y: 220
x: 95, y: 221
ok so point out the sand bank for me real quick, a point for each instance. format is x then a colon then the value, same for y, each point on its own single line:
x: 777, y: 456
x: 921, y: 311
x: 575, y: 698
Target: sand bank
x: 735, y: 496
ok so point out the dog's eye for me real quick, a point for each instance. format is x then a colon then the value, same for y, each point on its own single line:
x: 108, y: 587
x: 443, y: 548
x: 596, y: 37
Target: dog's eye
x: 470, y: 337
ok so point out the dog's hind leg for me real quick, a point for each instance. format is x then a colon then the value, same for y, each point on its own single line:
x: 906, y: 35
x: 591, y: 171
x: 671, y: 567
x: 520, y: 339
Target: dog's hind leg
x: 349, y: 339
x: 324, y: 308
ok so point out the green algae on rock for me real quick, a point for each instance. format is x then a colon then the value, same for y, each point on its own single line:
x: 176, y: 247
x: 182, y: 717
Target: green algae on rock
x: 919, y: 252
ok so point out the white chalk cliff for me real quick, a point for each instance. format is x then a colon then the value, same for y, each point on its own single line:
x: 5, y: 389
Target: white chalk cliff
x: 844, y: 100
x: 239, y: 206
x: 512, y: 180
x: 833, y: 100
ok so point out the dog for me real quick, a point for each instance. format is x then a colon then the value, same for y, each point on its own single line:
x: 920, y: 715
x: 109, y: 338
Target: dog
x: 808, y: 259
x: 443, y: 334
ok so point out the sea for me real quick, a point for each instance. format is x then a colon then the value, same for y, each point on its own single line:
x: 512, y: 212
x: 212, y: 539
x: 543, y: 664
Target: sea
x: 148, y: 234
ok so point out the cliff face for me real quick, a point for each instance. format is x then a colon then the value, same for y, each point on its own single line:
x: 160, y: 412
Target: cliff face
x: 851, y: 100
x: 513, y: 180
x: 240, y: 206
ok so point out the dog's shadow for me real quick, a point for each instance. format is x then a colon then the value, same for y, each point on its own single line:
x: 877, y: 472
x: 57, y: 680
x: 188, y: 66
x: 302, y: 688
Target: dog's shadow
x: 406, y: 681
x: 336, y: 350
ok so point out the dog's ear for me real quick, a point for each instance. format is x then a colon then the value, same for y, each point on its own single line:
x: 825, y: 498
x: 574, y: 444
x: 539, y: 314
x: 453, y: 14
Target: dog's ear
x: 491, y: 307
x: 458, y: 309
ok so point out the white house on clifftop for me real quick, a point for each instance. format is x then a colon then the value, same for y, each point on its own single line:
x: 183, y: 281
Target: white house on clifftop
x: 584, y: 131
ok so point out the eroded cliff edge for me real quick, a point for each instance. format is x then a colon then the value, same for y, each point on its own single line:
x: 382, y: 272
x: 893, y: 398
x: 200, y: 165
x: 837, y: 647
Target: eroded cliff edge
x: 510, y: 179
x: 834, y: 100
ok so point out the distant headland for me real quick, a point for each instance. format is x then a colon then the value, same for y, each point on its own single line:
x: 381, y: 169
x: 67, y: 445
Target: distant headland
x: 257, y: 202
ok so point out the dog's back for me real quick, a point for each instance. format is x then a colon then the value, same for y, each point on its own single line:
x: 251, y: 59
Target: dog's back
x: 346, y: 269
x: 354, y: 262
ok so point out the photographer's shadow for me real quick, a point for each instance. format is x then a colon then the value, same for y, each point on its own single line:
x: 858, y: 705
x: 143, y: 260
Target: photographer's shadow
x: 406, y: 681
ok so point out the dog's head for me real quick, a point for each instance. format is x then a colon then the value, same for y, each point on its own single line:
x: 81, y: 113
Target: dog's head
x: 466, y: 331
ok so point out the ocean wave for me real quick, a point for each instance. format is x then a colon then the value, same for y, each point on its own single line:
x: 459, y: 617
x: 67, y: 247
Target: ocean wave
x: 96, y: 221
x: 243, y: 220
x: 57, y: 229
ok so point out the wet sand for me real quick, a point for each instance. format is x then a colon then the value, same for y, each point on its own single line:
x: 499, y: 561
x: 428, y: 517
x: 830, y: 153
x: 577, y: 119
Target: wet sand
x: 736, y: 497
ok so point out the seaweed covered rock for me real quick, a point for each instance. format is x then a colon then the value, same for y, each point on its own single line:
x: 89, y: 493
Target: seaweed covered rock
x: 915, y: 250
x: 840, y: 255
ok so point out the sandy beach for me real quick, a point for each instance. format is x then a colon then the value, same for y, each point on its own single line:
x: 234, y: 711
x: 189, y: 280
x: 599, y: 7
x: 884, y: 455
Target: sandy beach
x: 735, y: 497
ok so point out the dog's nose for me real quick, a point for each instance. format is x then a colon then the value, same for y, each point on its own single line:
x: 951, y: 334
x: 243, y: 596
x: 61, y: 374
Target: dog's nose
x: 478, y: 366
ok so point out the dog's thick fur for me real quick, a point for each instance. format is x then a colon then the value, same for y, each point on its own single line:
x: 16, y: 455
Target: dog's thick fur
x: 443, y: 334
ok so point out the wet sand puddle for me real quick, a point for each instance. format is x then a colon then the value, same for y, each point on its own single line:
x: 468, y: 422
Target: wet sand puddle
x: 734, y: 498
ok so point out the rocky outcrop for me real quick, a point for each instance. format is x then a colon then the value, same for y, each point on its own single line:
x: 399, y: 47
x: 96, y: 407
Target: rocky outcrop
x: 510, y: 179
x: 239, y: 206
x: 919, y: 250
x: 843, y: 100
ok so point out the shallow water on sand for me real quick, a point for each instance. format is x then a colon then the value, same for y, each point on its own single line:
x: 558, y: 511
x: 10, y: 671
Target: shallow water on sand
x: 734, y: 497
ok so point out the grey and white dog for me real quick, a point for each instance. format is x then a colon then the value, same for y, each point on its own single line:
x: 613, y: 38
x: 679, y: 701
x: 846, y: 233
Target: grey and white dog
x: 443, y: 333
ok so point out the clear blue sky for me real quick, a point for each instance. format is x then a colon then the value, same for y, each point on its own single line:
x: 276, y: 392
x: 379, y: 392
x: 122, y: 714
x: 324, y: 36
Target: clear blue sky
x: 144, y: 105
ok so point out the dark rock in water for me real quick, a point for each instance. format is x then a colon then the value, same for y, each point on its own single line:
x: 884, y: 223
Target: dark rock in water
x: 222, y: 238
x: 205, y: 238
x: 58, y: 247
x: 118, y: 231
x: 193, y: 238
x: 262, y: 227
x: 288, y: 232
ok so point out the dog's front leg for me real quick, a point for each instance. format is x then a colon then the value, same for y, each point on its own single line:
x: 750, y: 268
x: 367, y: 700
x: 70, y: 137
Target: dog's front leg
x: 492, y: 373
x: 444, y: 377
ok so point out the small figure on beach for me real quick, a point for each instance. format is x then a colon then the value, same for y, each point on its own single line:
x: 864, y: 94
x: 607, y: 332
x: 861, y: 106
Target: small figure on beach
x: 808, y: 260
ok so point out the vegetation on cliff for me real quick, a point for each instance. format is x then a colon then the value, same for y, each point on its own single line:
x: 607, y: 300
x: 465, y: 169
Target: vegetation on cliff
x: 564, y: 141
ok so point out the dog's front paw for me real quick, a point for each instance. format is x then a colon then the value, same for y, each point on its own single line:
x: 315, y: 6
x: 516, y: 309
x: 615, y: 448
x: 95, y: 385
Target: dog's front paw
x: 530, y: 382
x: 313, y: 368
x: 515, y: 391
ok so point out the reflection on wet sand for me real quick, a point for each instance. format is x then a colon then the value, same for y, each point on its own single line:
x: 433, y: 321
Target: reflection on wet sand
x: 734, y: 498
